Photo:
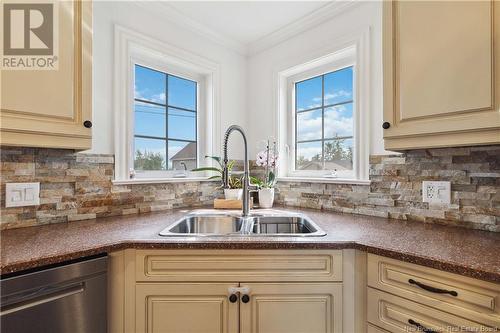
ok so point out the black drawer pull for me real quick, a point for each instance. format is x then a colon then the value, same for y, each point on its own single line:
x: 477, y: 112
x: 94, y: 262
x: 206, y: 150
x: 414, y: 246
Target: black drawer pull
x: 245, y: 298
x: 233, y: 298
x: 432, y: 289
x: 420, y: 327
x: 87, y: 124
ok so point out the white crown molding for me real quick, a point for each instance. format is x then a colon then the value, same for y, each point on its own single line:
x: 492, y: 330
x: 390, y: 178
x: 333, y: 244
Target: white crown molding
x: 168, y: 12
x: 305, y: 23
x: 315, y: 18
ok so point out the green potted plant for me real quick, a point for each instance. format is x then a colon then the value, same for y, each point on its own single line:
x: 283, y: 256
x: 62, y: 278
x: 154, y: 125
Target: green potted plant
x: 235, y: 191
x: 267, y: 159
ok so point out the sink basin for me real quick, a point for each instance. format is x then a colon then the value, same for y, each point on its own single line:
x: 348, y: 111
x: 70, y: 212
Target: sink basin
x: 285, y: 225
x: 261, y: 223
x: 214, y: 224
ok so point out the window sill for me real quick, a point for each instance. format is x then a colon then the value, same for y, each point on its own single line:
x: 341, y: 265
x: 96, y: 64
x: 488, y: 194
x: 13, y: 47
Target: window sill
x: 324, y: 180
x: 161, y: 180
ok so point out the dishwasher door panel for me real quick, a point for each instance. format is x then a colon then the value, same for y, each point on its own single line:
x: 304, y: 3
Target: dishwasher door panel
x: 69, y: 299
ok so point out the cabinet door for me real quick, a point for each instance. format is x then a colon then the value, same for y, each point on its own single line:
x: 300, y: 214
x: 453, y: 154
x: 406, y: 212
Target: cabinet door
x: 185, y: 307
x: 48, y: 108
x: 292, y: 308
x: 441, y: 73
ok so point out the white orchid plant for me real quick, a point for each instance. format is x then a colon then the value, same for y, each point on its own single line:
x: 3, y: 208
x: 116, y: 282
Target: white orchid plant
x: 268, y: 159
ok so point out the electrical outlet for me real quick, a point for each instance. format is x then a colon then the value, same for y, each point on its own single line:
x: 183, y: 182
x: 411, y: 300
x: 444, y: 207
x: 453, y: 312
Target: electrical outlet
x: 22, y: 194
x: 436, y: 192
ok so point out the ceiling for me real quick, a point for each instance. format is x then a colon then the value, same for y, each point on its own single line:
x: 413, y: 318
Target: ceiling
x: 246, y: 22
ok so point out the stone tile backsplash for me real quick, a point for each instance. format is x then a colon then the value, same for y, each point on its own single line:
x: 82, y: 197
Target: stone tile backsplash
x: 77, y: 186
x: 396, y: 188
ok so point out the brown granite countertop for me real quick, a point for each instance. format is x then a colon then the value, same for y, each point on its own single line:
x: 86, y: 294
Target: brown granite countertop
x: 463, y: 251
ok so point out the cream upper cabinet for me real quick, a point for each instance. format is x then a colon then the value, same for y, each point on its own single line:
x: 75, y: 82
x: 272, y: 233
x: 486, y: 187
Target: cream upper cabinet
x: 441, y: 73
x: 53, y: 108
x: 292, y: 308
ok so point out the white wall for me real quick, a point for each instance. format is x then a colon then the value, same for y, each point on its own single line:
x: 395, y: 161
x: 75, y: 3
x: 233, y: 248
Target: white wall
x: 247, y: 92
x: 150, y: 23
x: 261, y: 109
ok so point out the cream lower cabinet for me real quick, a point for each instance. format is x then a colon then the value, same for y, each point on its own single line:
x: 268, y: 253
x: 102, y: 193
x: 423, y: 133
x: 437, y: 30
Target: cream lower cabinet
x: 216, y: 291
x: 206, y: 308
x: 404, y: 297
x: 292, y: 308
x: 399, y: 315
x: 178, y: 307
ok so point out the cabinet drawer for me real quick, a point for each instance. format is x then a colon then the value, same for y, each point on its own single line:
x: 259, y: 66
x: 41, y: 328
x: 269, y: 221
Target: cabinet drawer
x: 466, y: 297
x: 396, y: 314
x: 238, y: 265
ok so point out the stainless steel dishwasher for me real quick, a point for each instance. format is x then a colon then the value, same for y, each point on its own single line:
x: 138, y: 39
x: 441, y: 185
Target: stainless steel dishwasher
x: 70, y: 298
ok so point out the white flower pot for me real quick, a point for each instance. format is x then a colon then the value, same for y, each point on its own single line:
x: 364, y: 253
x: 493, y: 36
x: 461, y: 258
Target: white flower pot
x: 233, y: 193
x: 266, y: 197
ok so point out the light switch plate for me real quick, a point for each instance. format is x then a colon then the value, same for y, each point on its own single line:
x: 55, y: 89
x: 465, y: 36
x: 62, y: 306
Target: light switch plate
x: 436, y: 192
x: 22, y: 194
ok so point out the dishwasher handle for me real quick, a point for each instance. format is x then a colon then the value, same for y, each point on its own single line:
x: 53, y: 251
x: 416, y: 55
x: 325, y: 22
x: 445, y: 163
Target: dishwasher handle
x: 42, y: 298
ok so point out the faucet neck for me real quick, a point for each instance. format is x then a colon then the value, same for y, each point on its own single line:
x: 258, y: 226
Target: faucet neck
x: 225, y: 175
x: 246, y: 174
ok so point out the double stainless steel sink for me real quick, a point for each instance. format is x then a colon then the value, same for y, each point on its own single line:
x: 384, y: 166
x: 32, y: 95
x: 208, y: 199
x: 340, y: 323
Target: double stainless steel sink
x: 262, y: 223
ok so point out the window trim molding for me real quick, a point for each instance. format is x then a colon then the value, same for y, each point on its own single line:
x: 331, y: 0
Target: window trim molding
x: 316, y: 60
x: 169, y: 70
x: 345, y: 60
x: 129, y: 47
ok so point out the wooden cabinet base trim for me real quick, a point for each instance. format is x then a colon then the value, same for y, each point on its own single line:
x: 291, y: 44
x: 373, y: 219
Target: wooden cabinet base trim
x: 44, y: 141
x: 375, y: 329
x: 473, y: 138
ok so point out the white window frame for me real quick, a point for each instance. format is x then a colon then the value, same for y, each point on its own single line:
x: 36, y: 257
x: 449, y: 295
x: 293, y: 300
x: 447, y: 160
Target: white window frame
x: 166, y: 68
x: 132, y: 48
x: 347, y: 61
x: 350, y: 51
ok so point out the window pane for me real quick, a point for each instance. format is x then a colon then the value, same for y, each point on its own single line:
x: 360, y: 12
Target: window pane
x: 338, y: 121
x: 338, y: 154
x: 149, y: 154
x: 181, y: 124
x: 181, y: 155
x: 308, y: 93
x: 149, y: 119
x: 181, y: 93
x: 309, y: 125
x: 149, y: 84
x: 338, y: 86
x: 309, y: 156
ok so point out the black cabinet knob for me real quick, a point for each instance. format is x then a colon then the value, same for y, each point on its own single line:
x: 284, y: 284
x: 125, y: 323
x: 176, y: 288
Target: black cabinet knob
x: 233, y: 298
x: 386, y: 125
x: 87, y: 123
x: 245, y: 298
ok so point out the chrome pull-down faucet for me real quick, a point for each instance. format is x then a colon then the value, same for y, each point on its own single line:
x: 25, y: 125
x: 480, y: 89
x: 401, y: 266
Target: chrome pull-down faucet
x: 247, y: 187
